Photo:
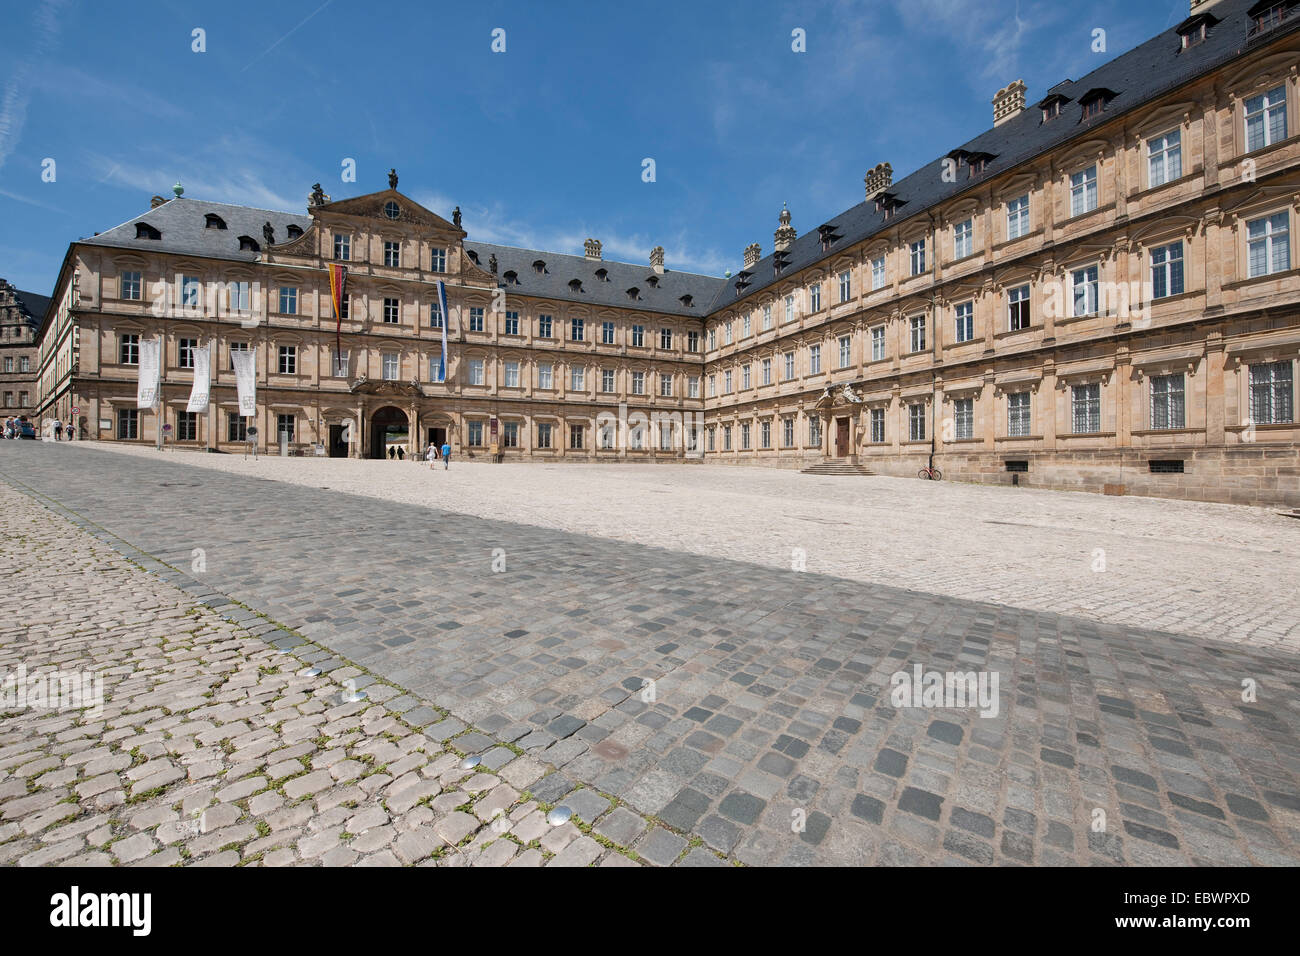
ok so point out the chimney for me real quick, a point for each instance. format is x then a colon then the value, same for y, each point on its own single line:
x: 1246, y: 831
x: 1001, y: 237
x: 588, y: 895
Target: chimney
x: 879, y: 179
x: 785, y: 235
x: 156, y: 202
x: 753, y: 252
x: 592, y: 247
x: 657, y: 259
x: 1009, y: 103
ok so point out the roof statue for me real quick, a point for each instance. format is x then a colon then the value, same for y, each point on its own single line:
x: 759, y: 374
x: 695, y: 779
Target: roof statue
x: 392, y: 179
x: 268, y: 233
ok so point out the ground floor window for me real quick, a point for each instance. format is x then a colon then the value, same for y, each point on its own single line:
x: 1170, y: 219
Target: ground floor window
x: 878, y: 426
x: 744, y: 436
x: 815, y: 431
x: 1085, y: 403
x: 665, y: 436
x: 236, y: 428
x: 963, y: 417
x: 1271, y: 395
x: 128, y: 423
x: 712, y: 438
x: 475, y: 430
x: 916, y: 422
x: 1018, y: 414
x: 787, y: 432
x: 765, y: 435
x: 187, y: 426
x: 1168, y: 405
x: 606, y: 437
x: 284, y: 426
x: 510, y: 435
x: 726, y: 438
x: 544, y: 435
x: 576, y: 435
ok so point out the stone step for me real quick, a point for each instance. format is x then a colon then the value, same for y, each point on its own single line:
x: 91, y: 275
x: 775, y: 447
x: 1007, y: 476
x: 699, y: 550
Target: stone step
x: 837, y: 468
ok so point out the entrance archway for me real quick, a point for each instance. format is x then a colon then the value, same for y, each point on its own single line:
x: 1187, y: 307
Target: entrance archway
x: 389, y: 429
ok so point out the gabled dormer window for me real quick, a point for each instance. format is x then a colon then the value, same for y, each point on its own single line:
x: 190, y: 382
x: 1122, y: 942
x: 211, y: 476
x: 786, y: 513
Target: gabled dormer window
x: 213, y: 221
x: 977, y: 163
x: 248, y: 244
x: 828, y: 236
x: 145, y: 231
x: 1094, y: 102
x: 295, y: 232
x: 1052, y: 106
x: 887, y: 204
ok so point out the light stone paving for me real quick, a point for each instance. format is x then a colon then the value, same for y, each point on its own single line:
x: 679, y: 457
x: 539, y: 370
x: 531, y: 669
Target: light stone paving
x: 1214, y: 571
x: 212, y: 748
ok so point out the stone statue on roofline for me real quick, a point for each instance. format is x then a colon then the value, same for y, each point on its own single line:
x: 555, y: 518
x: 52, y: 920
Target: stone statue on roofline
x: 268, y: 233
x: 392, y: 179
x: 318, y: 197
x: 455, y: 217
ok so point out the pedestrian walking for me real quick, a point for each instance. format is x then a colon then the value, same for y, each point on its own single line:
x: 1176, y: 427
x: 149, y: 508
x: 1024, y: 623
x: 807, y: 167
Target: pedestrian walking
x: 446, y: 455
x: 69, y: 431
x: 431, y: 455
x: 58, y: 430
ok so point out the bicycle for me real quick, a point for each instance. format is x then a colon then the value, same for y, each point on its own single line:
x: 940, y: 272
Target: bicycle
x: 932, y: 474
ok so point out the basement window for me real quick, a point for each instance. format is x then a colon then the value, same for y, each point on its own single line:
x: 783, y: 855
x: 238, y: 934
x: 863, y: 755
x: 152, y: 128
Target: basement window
x: 1020, y: 466
x: 1167, y: 466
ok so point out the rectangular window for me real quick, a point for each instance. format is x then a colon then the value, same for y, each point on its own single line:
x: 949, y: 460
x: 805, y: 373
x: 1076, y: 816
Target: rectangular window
x: 878, y: 343
x: 476, y: 372
x: 607, y: 380
x: 578, y: 379
x: 744, y: 376
x: 726, y: 333
x: 877, y: 273
x: 288, y: 364
x: 789, y: 366
x: 392, y: 314
x: 511, y: 374
x: 476, y: 318
x: 131, y: 286
x: 187, y: 426
x: 1266, y: 119
x: 815, y: 431
x: 692, y: 341
x: 509, y: 434
x: 815, y: 297
x: 765, y: 434
x: 1018, y: 217
x: 9, y: 363
x: 236, y: 427
x: 576, y: 433
x: 392, y: 254
x: 190, y: 292
x: 713, y: 338
x: 963, y: 418
x: 439, y: 260
x: 1018, y: 414
x: 435, y: 316
x: 577, y: 329
x: 607, y: 333
x: 288, y: 300
x: 846, y: 351
x: 965, y: 321
x: 436, y: 372
x: 1167, y: 270
x: 638, y: 336
x: 237, y: 295
x: 638, y: 383
x: 726, y: 382
x: 543, y: 435
x: 767, y: 317
x: 128, y: 349
x: 1271, y: 395
x: 1164, y: 158
x: 665, y: 385
x: 666, y: 336
x: 693, y: 386
x: 475, y: 435
x: 512, y: 323
x: 789, y: 308
x: 787, y: 433
x: 766, y: 372
x: 814, y: 359
x: 128, y: 423
x: 1085, y: 401
x: 236, y: 347
x: 918, y: 257
x: 878, y: 426
x: 1084, y: 285
x: 544, y: 325
x: 185, y: 352
x: 713, y: 386
x: 545, y: 376
x: 339, y: 364
x: 342, y: 247
x: 344, y: 306
x: 24, y: 365
x: 846, y: 285
x: 916, y: 423
x: 744, y: 437
x: 918, y: 333
x: 1168, y: 405
x: 1269, y: 245
x: 963, y: 239
x: 726, y: 438
x: 1018, y: 309
x: 1083, y: 191
x: 9, y: 399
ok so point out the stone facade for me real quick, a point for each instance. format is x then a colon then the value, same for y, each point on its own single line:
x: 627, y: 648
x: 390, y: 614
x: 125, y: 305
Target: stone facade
x: 20, y: 315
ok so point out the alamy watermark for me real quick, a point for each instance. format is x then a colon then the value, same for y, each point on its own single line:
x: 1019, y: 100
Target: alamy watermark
x: 642, y: 431
x: 945, y: 689
x: 53, y: 690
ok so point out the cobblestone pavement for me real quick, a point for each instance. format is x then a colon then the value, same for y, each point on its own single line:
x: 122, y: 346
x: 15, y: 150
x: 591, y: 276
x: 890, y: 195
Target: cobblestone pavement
x: 213, y: 749
x: 1207, y: 570
x: 768, y: 731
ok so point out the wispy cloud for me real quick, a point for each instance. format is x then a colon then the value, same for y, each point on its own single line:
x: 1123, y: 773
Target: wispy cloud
x: 203, y: 179
x: 17, y: 90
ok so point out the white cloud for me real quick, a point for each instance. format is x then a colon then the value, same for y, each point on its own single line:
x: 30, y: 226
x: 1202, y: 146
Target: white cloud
x: 202, y: 179
x: 17, y: 89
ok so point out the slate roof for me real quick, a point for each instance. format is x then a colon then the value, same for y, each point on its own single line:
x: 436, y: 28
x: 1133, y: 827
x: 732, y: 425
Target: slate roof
x: 658, y: 293
x: 1138, y: 76
x: 183, y: 225
x: 33, y: 306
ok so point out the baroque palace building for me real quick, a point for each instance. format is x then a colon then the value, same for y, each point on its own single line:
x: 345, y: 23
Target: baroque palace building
x: 1099, y: 292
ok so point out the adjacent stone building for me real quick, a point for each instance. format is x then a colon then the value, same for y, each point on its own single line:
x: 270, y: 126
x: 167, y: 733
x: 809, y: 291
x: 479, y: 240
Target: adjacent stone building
x: 20, y: 316
x: 1099, y: 292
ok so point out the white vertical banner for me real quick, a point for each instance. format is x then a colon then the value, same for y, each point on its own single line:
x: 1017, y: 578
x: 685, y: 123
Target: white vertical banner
x: 146, y: 393
x: 245, y: 363
x: 200, y: 389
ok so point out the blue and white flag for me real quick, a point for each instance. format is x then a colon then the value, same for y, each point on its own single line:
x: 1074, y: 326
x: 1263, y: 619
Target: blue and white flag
x: 446, y: 317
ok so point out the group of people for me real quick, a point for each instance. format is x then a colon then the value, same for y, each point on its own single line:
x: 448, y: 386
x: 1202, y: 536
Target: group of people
x: 60, y: 430
x: 13, y: 427
x: 433, y: 454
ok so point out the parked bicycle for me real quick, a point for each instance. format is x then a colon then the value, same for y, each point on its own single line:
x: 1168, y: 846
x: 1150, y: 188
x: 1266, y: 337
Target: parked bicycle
x: 931, y: 473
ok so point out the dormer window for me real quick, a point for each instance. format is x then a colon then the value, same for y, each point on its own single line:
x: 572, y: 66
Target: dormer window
x: 145, y: 231
x: 652, y: 281
x: 1052, y: 106
x: 539, y: 266
x: 686, y: 300
x: 248, y: 244
x: 1270, y: 14
x: 1094, y: 102
x: 511, y: 276
x: 213, y: 221
x: 295, y: 232
x: 473, y: 256
x: 887, y: 204
x: 634, y: 294
x: 602, y: 274
x: 575, y: 285
x: 828, y: 236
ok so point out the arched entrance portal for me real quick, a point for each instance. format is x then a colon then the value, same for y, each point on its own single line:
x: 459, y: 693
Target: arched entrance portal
x: 389, y: 429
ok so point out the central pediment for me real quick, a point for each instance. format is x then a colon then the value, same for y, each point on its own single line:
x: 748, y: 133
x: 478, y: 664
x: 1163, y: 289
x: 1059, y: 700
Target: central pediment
x: 388, y: 205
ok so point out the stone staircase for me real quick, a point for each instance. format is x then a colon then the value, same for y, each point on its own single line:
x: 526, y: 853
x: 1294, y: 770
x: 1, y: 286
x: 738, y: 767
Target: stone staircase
x: 837, y: 468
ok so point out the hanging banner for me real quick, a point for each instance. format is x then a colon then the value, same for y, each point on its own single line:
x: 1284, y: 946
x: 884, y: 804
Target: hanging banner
x: 146, y: 392
x: 442, y: 304
x: 245, y: 362
x: 199, y: 391
x: 338, y: 289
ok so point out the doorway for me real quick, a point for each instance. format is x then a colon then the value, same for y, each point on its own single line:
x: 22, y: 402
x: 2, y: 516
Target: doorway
x: 389, y: 430
x: 841, y: 438
x: 437, y: 438
x: 338, y: 444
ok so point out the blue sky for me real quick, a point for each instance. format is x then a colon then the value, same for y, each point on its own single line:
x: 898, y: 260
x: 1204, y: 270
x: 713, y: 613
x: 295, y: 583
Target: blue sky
x: 541, y: 145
